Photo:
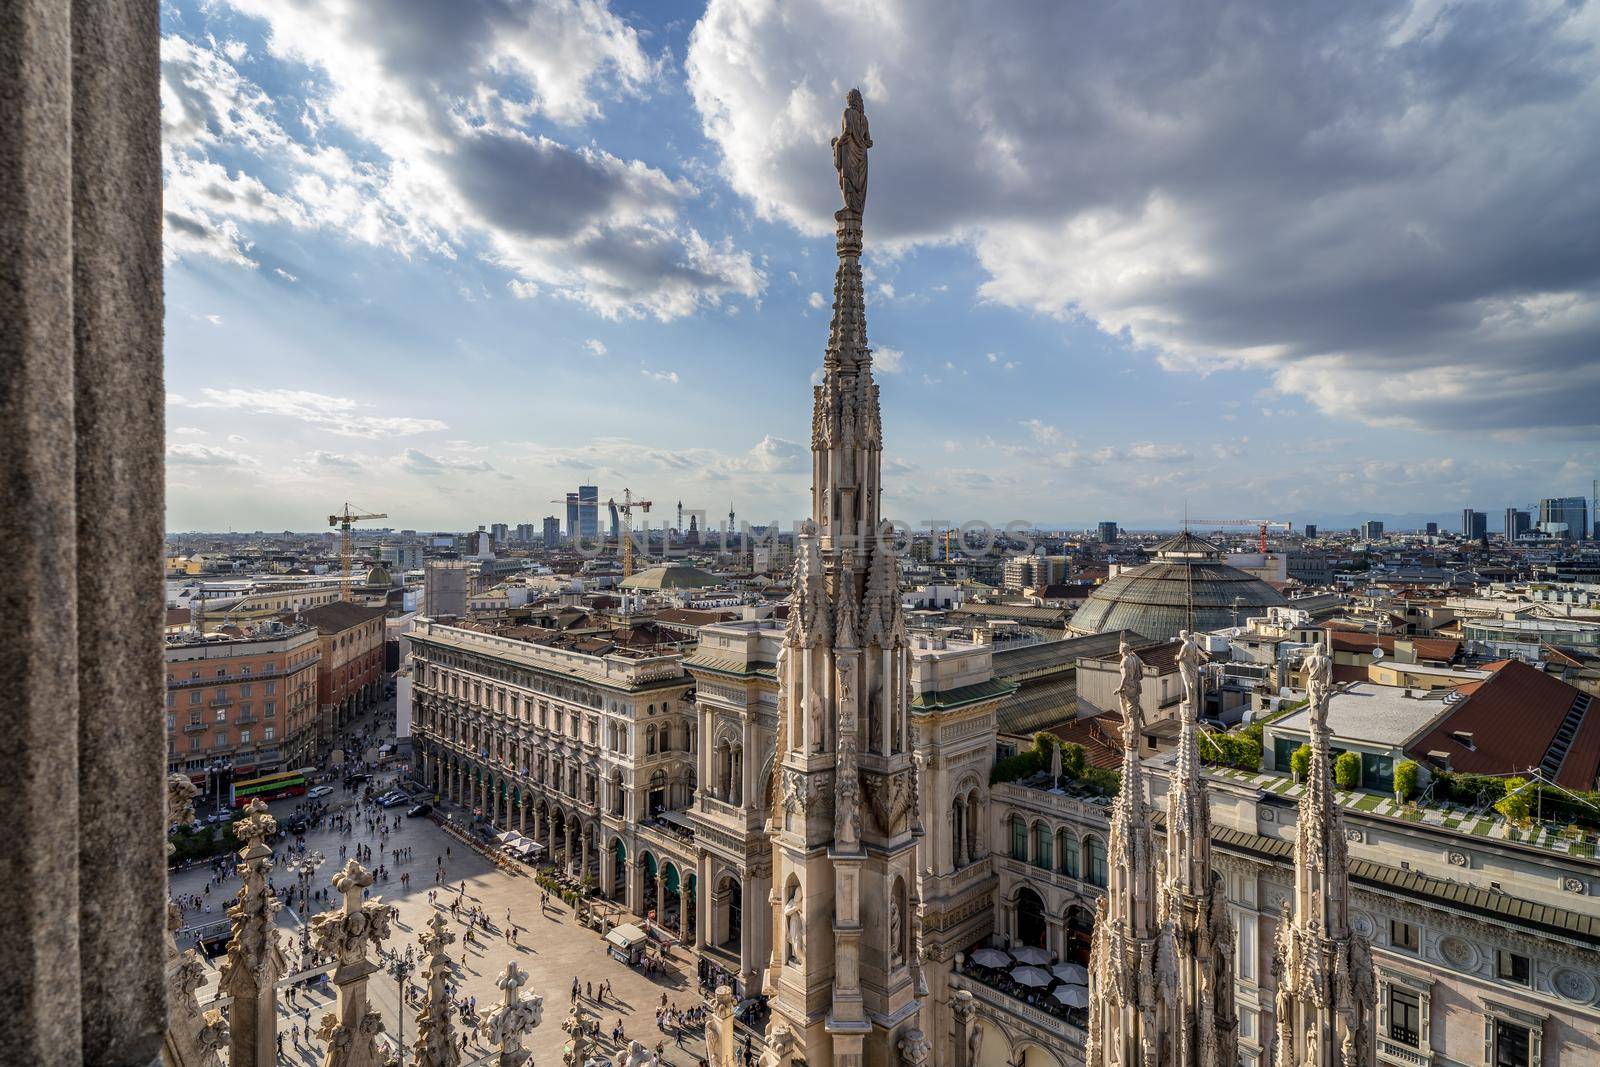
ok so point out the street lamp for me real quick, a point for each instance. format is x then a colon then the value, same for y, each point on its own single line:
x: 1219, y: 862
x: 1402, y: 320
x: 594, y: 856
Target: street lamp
x: 304, y: 869
x: 400, y: 968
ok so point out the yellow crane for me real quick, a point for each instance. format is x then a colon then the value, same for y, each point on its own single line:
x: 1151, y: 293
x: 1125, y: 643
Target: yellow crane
x: 345, y: 520
x: 624, y: 508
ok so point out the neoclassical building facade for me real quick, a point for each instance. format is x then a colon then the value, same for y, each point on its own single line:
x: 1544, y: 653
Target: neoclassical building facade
x: 592, y: 756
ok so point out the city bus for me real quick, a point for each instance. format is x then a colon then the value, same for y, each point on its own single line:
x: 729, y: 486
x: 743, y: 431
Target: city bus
x: 269, y: 787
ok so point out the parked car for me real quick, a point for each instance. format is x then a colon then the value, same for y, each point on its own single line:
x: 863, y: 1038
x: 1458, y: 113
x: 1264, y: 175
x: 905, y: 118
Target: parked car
x: 420, y: 810
x: 319, y: 791
x: 389, y: 800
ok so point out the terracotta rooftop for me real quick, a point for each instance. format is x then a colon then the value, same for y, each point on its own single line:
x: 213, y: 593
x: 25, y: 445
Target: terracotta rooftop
x: 1519, y: 719
x: 338, y: 616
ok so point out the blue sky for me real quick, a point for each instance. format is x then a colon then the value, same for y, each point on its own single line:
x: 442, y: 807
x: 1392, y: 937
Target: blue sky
x: 448, y: 261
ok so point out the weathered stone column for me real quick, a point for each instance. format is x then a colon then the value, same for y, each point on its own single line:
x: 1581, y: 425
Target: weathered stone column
x: 194, y: 1038
x: 435, y: 1045
x: 254, y: 962
x: 516, y: 1016
x: 965, y: 1012
x: 81, y: 402
x: 350, y: 1032
x: 720, y: 1031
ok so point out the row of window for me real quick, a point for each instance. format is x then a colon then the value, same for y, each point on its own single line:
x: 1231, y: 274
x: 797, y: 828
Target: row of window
x: 1512, y: 967
x: 197, y: 741
x: 1060, y: 851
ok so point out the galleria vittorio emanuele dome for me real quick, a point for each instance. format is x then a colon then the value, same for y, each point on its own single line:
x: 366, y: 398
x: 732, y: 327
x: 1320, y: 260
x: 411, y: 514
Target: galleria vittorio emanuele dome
x: 1187, y: 585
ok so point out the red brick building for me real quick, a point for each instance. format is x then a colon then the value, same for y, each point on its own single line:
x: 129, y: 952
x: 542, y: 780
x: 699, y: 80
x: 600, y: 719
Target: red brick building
x: 350, y: 674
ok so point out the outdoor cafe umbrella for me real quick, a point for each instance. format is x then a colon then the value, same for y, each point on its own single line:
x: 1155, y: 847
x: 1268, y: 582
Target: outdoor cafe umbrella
x: 990, y: 957
x: 1031, y: 954
x: 1073, y: 996
x: 1033, y: 976
x: 1055, y: 766
x: 1071, y: 972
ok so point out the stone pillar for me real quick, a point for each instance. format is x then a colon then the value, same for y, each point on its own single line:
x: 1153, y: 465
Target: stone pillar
x: 636, y: 901
x: 720, y: 1050
x: 583, y: 865
x: 81, y: 410
x: 350, y: 1032
x: 435, y: 1045
x: 608, y: 871
x: 965, y: 1012
x: 661, y: 895
x: 685, y: 925
x: 512, y: 1019
x: 254, y: 962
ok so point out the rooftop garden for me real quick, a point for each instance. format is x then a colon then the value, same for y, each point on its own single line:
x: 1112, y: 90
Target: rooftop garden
x: 1075, y: 772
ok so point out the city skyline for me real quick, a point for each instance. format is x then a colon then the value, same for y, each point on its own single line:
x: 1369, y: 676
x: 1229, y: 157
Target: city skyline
x: 451, y: 271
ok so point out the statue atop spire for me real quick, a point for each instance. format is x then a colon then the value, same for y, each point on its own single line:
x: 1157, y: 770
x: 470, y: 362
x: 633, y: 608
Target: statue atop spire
x: 1327, y: 992
x: 845, y: 853
x: 1193, y: 899
x: 850, y: 154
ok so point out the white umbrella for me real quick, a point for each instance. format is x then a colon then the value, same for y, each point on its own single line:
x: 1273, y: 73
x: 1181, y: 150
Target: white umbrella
x: 990, y: 957
x: 1030, y: 954
x: 1030, y: 976
x: 1055, y: 764
x: 1071, y: 972
x: 1073, y: 996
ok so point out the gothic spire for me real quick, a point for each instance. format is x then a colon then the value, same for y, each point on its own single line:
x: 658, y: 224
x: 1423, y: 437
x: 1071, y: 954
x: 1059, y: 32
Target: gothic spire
x: 1194, y: 902
x: 1132, y: 980
x: 1326, y: 989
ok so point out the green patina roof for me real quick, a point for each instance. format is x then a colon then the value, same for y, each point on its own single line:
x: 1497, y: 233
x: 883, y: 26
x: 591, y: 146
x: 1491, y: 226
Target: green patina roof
x: 1489, y: 903
x: 967, y: 694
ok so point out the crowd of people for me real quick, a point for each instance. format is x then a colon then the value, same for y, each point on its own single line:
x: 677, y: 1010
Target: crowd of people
x: 300, y: 880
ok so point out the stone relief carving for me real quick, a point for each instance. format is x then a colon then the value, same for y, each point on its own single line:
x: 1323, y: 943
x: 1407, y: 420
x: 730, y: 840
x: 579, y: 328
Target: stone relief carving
x: 1573, y: 985
x: 1458, y: 952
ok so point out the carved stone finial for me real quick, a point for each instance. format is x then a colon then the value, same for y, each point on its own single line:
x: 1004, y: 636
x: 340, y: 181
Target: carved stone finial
x: 515, y: 1017
x: 435, y: 1045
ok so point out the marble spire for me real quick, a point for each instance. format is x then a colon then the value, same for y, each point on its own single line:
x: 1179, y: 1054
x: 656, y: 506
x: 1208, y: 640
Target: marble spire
x: 844, y: 839
x: 1194, y: 899
x: 1327, y: 993
x: 1133, y: 981
x: 254, y: 963
x: 350, y: 1032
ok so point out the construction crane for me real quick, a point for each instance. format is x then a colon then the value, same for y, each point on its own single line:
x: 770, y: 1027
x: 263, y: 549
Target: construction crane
x: 345, y: 520
x: 1262, y: 525
x: 625, y: 508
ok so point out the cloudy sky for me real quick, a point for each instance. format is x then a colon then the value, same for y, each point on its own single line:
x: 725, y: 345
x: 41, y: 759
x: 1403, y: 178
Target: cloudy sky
x: 1306, y: 261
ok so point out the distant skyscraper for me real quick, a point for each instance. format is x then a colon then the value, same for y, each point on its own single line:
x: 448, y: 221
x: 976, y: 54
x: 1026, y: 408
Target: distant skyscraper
x: 1565, y: 516
x: 1311, y: 530
x: 1474, y: 524
x: 552, y: 531
x: 583, y: 512
x: 1108, y: 533
x: 501, y: 532
x: 1518, y: 522
x: 1372, y: 530
x: 1432, y: 529
x: 525, y: 531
